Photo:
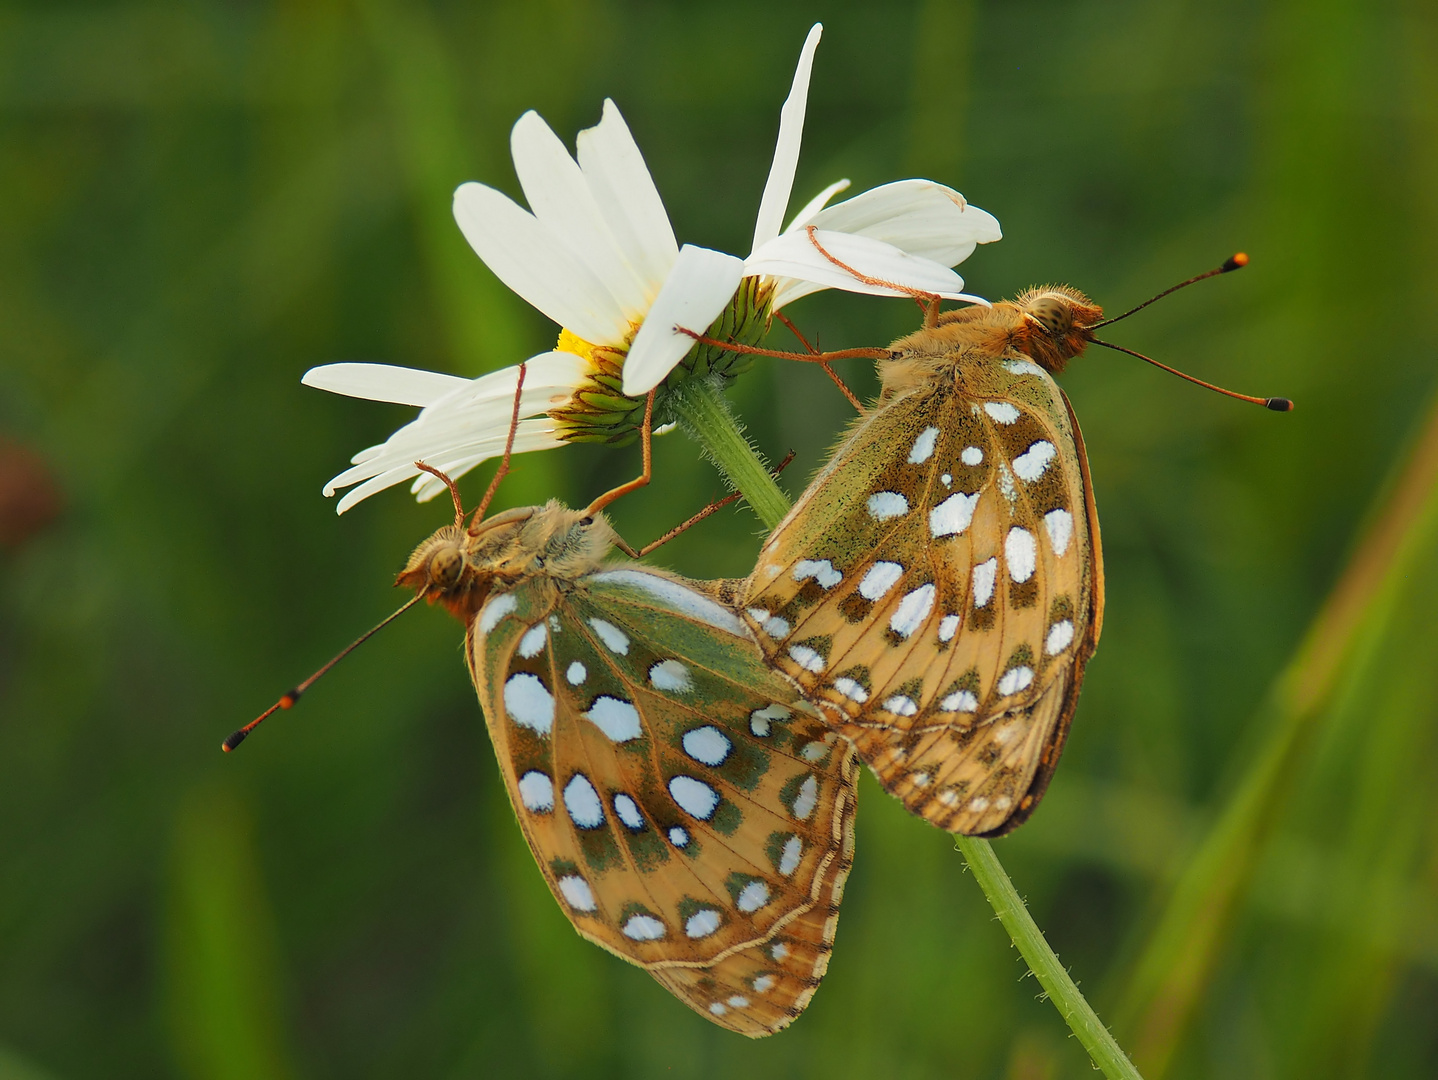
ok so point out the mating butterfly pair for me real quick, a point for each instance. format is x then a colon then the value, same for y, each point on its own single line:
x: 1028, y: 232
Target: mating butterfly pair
x: 681, y: 756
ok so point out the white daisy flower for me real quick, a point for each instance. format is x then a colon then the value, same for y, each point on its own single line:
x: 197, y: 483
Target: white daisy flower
x: 592, y: 255
x: 906, y: 234
x: 596, y: 253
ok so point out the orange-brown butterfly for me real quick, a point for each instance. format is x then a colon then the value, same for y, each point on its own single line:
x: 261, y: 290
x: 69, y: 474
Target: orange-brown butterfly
x: 684, y: 811
x: 687, y: 810
x: 938, y: 588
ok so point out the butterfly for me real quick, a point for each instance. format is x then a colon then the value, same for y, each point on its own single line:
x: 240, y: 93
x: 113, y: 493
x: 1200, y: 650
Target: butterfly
x: 688, y: 812
x: 938, y: 588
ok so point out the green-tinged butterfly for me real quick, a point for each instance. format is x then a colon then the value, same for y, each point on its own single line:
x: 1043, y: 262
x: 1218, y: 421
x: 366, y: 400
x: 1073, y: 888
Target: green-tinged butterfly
x: 690, y: 812
x: 938, y: 589
x: 687, y: 813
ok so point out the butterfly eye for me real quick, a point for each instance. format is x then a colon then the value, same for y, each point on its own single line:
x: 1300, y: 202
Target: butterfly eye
x: 445, y: 567
x: 587, y: 520
x: 1053, y: 314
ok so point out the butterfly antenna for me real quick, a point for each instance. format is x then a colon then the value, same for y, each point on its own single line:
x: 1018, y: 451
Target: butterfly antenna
x: 503, y: 470
x: 1233, y: 262
x: 289, y: 699
x: 1277, y: 404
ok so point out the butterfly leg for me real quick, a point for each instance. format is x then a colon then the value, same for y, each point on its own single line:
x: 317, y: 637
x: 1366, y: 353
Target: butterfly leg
x: 449, y: 483
x: 829, y: 371
x: 503, y: 470
x: 717, y: 504
x: 779, y: 354
x: 928, y: 302
x: 643, y: 478
x: 924, y: 298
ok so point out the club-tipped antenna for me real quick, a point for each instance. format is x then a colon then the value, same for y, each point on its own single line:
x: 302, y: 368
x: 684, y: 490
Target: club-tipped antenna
x: 289, y: 699
x: 1233, y: 262
x: 1277, y: 404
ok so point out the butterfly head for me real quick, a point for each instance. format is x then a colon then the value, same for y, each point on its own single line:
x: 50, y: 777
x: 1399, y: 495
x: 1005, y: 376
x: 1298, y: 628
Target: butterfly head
x: 1051, y: 324
x: 1055, y: 324
x: 459, y: 567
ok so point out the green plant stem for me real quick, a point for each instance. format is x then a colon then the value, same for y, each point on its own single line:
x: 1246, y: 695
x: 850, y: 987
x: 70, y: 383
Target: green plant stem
x: 1043, y: 961
x: 707, y: 419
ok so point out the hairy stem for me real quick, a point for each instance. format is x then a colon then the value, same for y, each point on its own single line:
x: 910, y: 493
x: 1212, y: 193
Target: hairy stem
x: 1043, y: 961
x: 706, y: 418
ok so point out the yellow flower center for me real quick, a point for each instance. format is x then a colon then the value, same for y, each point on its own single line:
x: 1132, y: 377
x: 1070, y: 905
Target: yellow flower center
x: 599, y: 411
x: 571, y: 342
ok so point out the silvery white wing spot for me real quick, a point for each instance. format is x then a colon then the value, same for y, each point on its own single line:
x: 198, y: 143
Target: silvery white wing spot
x: 938, y: 588
x: 686, y: 810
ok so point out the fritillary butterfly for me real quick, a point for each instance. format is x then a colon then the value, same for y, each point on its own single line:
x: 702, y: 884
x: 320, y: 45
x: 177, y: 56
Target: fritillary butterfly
x: 690, y: 811
x: 687, y: 812
x: 938, y: 588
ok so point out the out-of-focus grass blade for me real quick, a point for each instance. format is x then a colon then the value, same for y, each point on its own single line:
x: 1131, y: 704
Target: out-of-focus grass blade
x: 14, y: 1067
x: 1375, y: 783
x: 1372, y: 790
x: 1179, y: 959
x: 223, y: 991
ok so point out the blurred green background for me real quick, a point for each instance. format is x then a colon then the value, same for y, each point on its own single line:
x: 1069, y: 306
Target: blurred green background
x: 200, y: 200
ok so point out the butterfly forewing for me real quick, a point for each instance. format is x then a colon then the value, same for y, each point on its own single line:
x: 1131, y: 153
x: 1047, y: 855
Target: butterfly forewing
x: 684, y: 808
x: 934, y: 589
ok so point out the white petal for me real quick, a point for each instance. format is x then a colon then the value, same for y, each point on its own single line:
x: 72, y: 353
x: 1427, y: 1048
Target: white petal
x: 786, y: 150
x: 383, y: 382
x: 817, y: 203
x: 549, y: 380
x: 787, y: 290
x: 526, y: 439
x: 465, y: 427
x: 560, y: 198
x: 530, y: 260
x: 917, y: 216
x: 700, y: 286
x: 531, y: 435
x: 625, y: 192
x: 415, y: 442
x: 480, y: 411
x: 793, y: 255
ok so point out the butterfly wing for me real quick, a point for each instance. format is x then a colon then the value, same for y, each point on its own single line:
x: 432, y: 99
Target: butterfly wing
x: 761, y: 988
x: 936, y: 589
x: 684, y: 810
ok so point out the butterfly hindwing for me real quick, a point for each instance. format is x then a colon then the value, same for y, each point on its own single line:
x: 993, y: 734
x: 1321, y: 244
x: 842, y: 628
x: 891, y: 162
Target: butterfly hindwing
x: 761, y: 988
x: 683, y: 807
x: 935, y: 590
